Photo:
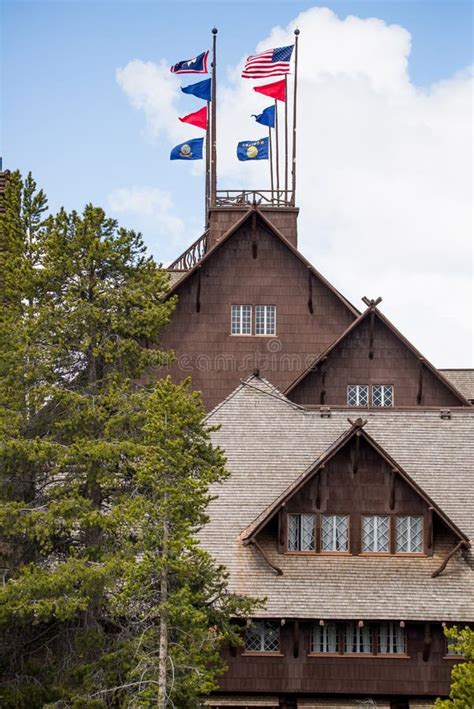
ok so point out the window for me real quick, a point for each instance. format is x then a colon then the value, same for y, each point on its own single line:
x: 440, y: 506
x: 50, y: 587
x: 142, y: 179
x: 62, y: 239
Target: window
x: 451, y: 648
x: 358, y: 395
x: 391, y: 639
x: 357, y: 639
x: 265, y: 319
x: 375, y: 533
x: 324, y: 638
x: 263, y: 636
x: 300, y: 532
x: 410, y: 535
x: 335, y: 533
x: 241, y: 321
x: 382, y: 395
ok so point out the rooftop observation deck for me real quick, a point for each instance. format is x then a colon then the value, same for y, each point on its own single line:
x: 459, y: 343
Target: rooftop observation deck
x: 277, y: 205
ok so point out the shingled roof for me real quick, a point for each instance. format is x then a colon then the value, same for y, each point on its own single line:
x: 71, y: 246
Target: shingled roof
x: 270, y: 442
x: 462, y: 379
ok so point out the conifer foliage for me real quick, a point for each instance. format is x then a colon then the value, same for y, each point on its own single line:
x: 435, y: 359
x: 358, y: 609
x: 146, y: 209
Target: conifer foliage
x: 107, y: 599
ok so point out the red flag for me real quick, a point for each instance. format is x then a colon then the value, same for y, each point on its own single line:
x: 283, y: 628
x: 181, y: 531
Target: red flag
x: 198, y: 118
x: 275, y: 90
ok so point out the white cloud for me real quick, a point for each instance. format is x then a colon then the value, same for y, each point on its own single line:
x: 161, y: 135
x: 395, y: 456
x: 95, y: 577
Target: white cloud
x: 384, y: 170
x: 153, y: 207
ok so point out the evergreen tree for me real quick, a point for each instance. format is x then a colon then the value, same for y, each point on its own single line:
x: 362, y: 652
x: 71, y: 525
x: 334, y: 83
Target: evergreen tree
x: 84, y: 307
x: 461, y: 695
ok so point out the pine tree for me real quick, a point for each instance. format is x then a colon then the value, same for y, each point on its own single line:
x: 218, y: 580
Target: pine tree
x: 85, y: 306
x: 461, y: 695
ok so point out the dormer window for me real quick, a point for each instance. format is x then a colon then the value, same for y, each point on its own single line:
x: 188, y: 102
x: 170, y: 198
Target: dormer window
x: 335, y: 533
x: 300, y: 532
x: 241, y: 320
x: 375, y: 533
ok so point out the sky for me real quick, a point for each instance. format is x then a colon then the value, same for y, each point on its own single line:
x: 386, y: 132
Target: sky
x: 384, y: 134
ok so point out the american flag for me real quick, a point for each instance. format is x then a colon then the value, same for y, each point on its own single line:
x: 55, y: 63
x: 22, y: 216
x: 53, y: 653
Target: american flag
x: 271, y: 62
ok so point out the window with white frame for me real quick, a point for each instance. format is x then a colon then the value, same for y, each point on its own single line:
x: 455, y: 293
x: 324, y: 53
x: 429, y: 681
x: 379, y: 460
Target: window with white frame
x: 409, y: 534
x: 452, y: 647
x: 265, y: 317
x: 324, y: 638
x: 358, y: 395
x: 357, y: 638
x: 391, y: 639
x: 375, y: 533
x: 241, y: 320
x: 263, y: 636
x: 300, y: 532
x: 382, y: 395
x: 335, y: 533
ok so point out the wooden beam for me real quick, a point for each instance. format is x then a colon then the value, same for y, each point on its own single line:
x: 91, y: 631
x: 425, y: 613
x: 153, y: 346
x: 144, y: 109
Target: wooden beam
x: 318, y: 490
x: 355, y: 466
x: 442, y: 567
x: 296, y: 638
x: 427, y: 643
x: 198, y: 291
x: 254, y: 234
x: 265, y: 557
x: 392, y: 488
x: 310, y: 292
x: 429, y: 531
x: 419, y: 396
x: 371, y: 333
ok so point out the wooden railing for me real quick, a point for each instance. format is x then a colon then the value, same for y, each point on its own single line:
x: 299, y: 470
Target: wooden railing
x: 192, y: 255
x: 246, y: 198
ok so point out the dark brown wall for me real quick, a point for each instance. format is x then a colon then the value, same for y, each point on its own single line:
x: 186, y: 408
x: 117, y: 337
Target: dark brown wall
x: 202, y: 340
x: 221, y: 219
x: 393, y: 363
x: 365, y: 676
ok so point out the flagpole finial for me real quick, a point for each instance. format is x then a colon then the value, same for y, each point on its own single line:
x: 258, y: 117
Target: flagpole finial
x: 297, y: 31
x: 214, y: 30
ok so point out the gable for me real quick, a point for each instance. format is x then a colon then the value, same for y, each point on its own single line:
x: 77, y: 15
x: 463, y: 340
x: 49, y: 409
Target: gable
x: 251, y: 266
x: 372, y: 352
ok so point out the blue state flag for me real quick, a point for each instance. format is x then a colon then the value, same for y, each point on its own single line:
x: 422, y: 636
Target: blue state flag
x: 196, y: 65
x: 253, y: 149
x: 266, y: 117
x: 202, y: 89
x: 190, y: 150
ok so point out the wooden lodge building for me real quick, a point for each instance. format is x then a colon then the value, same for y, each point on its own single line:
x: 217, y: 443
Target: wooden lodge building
x: 349, y: 507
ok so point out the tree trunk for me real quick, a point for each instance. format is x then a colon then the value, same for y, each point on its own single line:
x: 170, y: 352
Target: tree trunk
x: 163, y: 646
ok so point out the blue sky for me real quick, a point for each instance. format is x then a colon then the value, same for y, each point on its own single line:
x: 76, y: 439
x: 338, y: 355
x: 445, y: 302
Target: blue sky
x: 66, y: 118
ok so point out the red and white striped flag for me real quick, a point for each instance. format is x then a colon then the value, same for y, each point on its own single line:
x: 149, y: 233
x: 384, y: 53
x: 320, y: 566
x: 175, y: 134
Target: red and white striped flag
x: 272, y: 62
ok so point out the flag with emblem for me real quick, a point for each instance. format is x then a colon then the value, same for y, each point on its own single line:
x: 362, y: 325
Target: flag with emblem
x: 196, y: 65
x: 190, y: 150
x: 253, y: 149
x: 272, y: 62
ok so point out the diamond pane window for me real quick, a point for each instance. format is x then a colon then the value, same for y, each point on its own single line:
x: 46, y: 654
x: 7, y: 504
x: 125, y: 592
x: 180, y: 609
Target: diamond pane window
x: 358, y: 395
x: 357, y: 639
x: 335, y: 533
x: 265, y: 319
x: 300, y: 532
x: 324, y: 638
x: 410, y: 534
x: 382, y: 395
x: 375, y: 533
x: 391, y: 639
x: 241, y: 320
x: 263, y: 636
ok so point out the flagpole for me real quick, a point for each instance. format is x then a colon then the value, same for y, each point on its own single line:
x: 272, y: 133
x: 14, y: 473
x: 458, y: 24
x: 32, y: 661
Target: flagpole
x: 271, y: 159
x: 214, y: 127
x: 277, y: 156
x: 286, y: 138
x: 208, y: 165
x: 293, y: 160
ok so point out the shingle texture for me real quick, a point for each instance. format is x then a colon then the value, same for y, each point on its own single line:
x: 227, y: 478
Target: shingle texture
x: 269, y: 442
x: 462, y: 379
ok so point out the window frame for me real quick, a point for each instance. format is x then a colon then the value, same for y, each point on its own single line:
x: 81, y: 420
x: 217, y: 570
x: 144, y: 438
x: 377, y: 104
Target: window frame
x: 355, y: 626
x: 265, y: 306
x: 258, y: 653
x: 346, y: 626
x: 320, y: 529
x: 323, y: 653
x: 364, y: 552
x: 383, y: 386
x: 315, y: 526
x: 358, y: 405
x: 396, y: 626
x: 395, y: 535
x: 240, y: 305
